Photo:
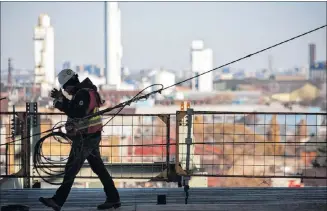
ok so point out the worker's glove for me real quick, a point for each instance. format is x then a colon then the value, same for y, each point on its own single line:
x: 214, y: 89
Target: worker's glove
x: 57, y: 103
x: 56, y: 94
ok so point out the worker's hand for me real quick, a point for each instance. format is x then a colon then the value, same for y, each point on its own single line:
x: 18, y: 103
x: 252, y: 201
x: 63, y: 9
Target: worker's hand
x: 57, y: 104
x: 56, y: 94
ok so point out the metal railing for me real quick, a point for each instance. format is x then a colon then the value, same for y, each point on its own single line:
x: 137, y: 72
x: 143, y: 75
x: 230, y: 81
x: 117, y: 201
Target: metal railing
x: 260, y: 145
x: 169, y: 147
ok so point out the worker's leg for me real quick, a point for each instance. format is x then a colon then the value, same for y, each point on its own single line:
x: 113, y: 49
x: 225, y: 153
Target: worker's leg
x: 75, y: 161
x: 99, y: 169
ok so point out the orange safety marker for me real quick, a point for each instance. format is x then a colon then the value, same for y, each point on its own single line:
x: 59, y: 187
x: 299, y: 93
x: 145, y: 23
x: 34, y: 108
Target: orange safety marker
x: 182, y: 106
x: 188, y: 105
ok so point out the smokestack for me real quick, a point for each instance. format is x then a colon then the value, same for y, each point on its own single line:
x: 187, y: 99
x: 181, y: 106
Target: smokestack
x: 106, y: 41
x: 9, y: 80
x: 312, y: 54
x: 113, y: 46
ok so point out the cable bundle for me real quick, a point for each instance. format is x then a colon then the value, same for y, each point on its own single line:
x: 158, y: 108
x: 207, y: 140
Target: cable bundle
x: 40, y: 161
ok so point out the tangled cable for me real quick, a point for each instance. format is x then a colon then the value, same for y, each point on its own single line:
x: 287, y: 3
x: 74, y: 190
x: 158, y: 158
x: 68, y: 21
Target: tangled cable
x: 41, y: 162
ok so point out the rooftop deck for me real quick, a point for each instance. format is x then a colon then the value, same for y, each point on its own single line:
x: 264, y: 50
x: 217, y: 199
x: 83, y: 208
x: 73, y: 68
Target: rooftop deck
x: 139, y: 147
x: 263, y: 199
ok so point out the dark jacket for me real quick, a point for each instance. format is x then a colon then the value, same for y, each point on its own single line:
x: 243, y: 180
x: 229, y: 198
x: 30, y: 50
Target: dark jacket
x: 77, y: 107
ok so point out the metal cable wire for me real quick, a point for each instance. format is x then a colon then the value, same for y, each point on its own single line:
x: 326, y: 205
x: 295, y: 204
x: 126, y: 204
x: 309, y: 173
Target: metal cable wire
x: 248, y: 56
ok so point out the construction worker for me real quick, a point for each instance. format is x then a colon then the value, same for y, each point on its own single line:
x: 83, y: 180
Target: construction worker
x: 85, y: 135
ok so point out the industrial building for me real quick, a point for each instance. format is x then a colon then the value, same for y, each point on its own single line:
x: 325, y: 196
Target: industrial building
x: 113, y: 45
x: 44, y: 54
x: 201, y: 61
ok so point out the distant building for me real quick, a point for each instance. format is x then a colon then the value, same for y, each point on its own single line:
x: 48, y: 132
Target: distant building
x: 44, y: 54
x: 164, y: 77
x: 290, y: 78
x: 125, y: 72
x: 239, y: 75
x: 113, y: 45
x: 201, y: 61
x: 79, y: 69
x: 66, y: 65
x: 96, y: 80
x: 4, y: 102
x: 91, y: 69
x: 268, y: 86
x: 312, y: 54
x: 318, y: 71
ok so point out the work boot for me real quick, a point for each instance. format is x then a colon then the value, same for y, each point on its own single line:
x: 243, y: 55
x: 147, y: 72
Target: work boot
x: 109, y: 204
x: 49, y: 202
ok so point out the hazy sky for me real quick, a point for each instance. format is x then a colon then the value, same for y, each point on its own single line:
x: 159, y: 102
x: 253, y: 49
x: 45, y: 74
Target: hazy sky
x: 158, y: 34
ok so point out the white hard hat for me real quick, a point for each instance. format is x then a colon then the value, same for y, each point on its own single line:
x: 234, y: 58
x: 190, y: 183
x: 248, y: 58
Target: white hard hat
x: 64, y: 76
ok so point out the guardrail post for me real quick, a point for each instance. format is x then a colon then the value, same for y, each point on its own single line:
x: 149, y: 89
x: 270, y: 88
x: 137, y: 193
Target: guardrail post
x: 7, y: 159
x: 188, y: 142
x: 168, y: 145
x: 184, y: 134
x: 180, y: 125
x: 27, y: 147
x: 188, y: 139
x: 35, y: 130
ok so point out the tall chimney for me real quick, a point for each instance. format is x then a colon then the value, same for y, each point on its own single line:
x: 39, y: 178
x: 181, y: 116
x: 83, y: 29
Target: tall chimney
x: 9, y: 80
x: 312, y: 54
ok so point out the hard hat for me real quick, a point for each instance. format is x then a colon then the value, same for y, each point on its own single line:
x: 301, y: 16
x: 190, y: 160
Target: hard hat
x: 64, y: 76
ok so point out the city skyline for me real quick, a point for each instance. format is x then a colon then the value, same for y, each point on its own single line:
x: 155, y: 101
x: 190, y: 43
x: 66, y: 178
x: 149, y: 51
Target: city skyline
x: 153, y: 39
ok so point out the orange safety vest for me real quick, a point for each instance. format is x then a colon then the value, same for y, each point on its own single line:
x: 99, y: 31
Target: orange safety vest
x: 89, y: 125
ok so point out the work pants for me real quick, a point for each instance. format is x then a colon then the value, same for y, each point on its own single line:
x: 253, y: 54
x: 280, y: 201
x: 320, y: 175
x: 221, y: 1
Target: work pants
x: 85, y: 149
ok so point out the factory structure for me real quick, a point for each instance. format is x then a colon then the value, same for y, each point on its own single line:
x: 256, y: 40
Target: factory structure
x: 113, y: 45
x: 115, y: 79
x: 201, y: 62
x: 44, y: 68
x: 110, y: 77
x: 317, y: 69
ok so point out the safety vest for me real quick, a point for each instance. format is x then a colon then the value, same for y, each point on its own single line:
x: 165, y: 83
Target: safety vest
x: 89, y: 125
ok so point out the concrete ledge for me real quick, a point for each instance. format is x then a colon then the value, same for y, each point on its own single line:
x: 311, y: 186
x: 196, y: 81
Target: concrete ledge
x: 221, y: 207
x: 208, y: 199
x: 210, y: 207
